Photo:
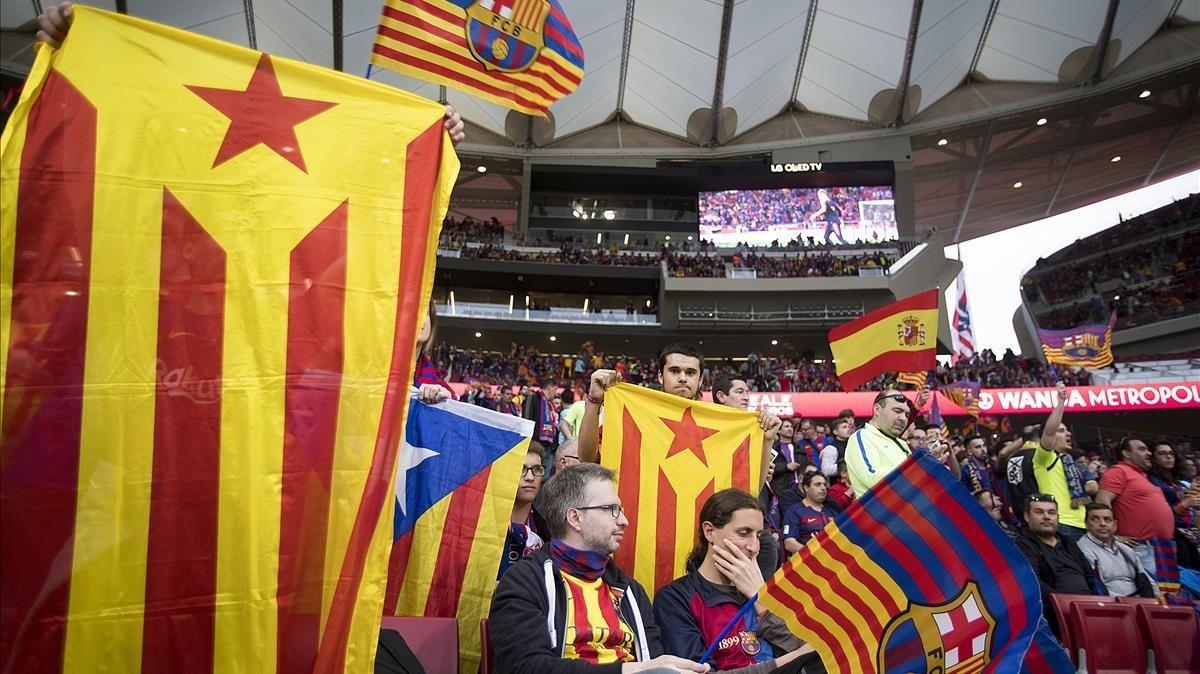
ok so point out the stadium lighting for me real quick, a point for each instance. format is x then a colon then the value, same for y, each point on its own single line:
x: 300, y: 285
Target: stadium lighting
x: 1116, y: 298
x: 626, y: 239
x: 774, y: 342
x: 452, y: 310
x: 585, y: 304
x: 527, y: 301
x: 1017, y: 185
x: 942, y: 142
x: 482, y: 169
x: 1042, y: 122
x: 647, y: 304
x: 668, y: 237
x: 689, y: 237
x: 479, y: 334
x: 1145, y: 93
x: 610, y: 215
x: 553, y: 338
x: 1115, y: 159
x: 598, y: 235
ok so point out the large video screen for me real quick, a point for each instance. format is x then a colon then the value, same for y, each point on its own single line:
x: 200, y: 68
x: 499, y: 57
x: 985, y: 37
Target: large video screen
x: 815, y: 216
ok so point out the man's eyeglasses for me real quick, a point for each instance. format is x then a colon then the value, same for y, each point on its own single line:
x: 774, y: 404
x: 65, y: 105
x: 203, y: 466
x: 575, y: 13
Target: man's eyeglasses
x: 614, y: 509
x: 1043, y: 498
x: 898, y: 397
x: 537, y: 471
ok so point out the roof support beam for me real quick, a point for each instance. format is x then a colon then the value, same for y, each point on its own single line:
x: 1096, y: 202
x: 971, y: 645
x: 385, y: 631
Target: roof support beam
x: 808, y: 28
x: 248, y: 10
x: 983, y: 36
x: 339, y: 13
x: 983, y: 153
x: 1061, y: 180
x: 625, y: 40
x: 718, y: 99
x: 1193, y: 91
x: 1100, y: 53
x: 914, y: 25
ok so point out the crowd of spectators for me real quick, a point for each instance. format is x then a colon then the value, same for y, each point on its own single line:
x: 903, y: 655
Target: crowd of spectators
x: 756, y: 210
x: 763, y: 373
x: 1156, y: 278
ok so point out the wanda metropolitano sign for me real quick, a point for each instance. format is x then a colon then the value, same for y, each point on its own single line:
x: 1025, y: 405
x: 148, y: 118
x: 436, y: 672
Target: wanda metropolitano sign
x: 994, y: 401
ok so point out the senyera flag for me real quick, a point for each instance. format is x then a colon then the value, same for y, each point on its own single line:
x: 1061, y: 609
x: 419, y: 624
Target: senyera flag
x: 211, y: 288
x: 522, y: 54
x: 456, y: 481
x: 670, y: 454
x: 914, y: 576
x: 900, y: 337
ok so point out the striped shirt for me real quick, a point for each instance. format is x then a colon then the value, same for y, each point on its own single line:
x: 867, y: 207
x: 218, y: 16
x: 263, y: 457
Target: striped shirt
x: 594, y: 629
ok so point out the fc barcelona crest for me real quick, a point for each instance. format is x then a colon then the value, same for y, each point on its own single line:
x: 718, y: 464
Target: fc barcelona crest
x: 506, y: 35
x: 947, y: 638
x: 911, y: 331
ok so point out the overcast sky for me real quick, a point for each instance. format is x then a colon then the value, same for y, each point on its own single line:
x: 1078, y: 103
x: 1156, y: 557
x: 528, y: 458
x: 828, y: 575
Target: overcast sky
x: 995, y: 263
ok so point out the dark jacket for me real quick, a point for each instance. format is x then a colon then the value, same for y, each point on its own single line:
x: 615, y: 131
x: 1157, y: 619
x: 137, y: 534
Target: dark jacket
x: 528, y: 619
x: 1035, y: 551
x: 1019, y: 481
x: 692, y: 611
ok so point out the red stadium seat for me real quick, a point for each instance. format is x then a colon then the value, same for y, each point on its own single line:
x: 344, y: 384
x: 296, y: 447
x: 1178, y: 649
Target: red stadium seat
x: 1062, y: 611
x: 485, y: 642
x: 1107, y: 639
x: 1137, y: 600
x: 433, y: 640
x: 1172, y: 633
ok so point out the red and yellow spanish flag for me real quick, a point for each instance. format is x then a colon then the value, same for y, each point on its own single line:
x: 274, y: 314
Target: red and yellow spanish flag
x: 901, y: 337
x: 522, y: 54
x: 670, y: 454
x: 213, y: 264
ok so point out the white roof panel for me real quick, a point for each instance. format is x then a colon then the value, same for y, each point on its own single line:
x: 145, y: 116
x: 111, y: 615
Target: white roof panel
x: 764, y: 51
x: 1030, y: 39
x: 947, y: 37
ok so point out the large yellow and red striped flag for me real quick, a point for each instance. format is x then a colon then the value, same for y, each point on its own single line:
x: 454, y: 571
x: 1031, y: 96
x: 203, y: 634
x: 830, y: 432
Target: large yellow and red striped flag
x: 213, y: 264
x: 900, y: 337
x: 670, y: 454
x: 522, y: 54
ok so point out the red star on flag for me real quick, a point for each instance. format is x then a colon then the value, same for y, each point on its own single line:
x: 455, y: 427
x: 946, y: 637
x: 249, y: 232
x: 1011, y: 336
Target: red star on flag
x: 688, y: 435
x: 261, y: 114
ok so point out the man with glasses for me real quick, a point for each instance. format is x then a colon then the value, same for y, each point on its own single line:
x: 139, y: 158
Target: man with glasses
x: 875, y: 449
x: 567, y: 608
x: 525, y: 529
x: 1060, y: 565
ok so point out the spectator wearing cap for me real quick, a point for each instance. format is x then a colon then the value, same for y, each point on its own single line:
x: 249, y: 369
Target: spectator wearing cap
x: 1143, y: 516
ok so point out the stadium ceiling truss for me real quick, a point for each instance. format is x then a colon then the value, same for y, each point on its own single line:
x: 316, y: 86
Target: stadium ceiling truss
x: 715, y: 78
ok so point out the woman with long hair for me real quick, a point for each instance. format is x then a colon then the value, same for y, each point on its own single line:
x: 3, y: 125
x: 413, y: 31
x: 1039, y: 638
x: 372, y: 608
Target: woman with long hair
x: 722, y: 576
x: 1165, y: 473
x: 433, y: 388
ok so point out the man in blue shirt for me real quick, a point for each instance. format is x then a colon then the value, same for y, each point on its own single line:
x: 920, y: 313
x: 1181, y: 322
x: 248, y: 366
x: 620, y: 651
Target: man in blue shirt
x: 810, y: 515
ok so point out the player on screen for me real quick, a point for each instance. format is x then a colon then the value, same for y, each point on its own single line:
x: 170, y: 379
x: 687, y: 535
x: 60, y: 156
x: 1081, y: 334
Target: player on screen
x: 832, y: 214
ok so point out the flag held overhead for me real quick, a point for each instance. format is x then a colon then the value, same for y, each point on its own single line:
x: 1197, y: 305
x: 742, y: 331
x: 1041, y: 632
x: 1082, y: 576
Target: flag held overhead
x: 187, y: 230
x: 900, y: 337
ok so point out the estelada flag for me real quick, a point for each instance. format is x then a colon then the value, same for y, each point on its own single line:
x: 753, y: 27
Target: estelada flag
x: 670, y: 454
x: 456, y: 481
x: 522, y: 54
x: 214, y: 263
x: 914, y: 576
x: 900, y: 337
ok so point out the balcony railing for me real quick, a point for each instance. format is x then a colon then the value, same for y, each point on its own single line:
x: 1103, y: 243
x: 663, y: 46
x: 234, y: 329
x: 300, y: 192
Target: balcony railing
x: 502, y: 312
x: 817, y: 314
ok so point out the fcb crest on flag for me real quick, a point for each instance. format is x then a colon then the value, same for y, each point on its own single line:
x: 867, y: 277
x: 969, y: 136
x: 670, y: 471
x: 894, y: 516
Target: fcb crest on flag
x: 506, y: 35
x: 952, y: 637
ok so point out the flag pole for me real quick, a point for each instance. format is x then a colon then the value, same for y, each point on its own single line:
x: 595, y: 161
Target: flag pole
x: 742, y: 612
x: 368, y: 75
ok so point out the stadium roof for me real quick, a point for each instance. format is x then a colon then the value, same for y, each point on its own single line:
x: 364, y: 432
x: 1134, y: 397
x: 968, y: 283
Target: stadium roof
x: 704, y: 78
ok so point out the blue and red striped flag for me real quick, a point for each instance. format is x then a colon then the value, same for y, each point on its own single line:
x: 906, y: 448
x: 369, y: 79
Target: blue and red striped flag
x: 914, y: 576
x: 456, y: 480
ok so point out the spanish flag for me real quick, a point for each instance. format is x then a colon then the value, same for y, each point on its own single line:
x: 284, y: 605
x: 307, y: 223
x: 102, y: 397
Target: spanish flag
x: 914, y: 577
x: 522, y: 54
x: 901, y: 337
x: 670, y: 454
x: 213, y: 264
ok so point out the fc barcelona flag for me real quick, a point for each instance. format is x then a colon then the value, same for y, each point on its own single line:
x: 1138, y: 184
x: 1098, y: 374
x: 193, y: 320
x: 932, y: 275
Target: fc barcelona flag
x: 670, y: 454
x: 522, y: 54
x: 456, y: 481
x: 209, y: 293
x: 913, y: 577
x: 1084, y: 346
